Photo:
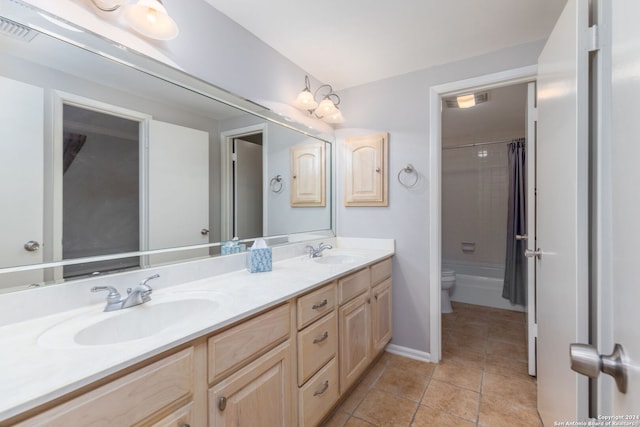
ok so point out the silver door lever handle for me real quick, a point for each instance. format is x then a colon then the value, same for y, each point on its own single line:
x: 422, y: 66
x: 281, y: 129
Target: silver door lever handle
x: 521, y: 237
x: 586, y: 360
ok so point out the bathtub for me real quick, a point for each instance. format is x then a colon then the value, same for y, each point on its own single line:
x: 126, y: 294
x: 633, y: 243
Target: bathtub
x: 480, y: 284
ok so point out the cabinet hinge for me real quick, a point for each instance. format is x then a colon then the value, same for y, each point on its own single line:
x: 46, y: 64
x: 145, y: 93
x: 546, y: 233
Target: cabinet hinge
x: 593, y: 38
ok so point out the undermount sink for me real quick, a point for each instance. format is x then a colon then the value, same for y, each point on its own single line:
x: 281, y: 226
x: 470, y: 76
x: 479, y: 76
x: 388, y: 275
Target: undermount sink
x: 130, y: 324
x: 338, y: 259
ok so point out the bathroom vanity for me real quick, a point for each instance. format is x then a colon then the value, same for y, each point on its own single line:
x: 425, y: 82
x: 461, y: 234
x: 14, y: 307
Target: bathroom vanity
x: 277, y: 348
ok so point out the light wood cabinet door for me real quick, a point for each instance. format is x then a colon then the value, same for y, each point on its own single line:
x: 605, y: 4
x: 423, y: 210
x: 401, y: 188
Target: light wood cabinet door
x: 366, y: 173
x: 354, y: 325
x: 308, y: 175
x: 259, y: 395
x: 381, y: 315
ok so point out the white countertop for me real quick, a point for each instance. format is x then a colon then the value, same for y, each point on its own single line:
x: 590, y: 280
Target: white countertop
x: 34, y: 370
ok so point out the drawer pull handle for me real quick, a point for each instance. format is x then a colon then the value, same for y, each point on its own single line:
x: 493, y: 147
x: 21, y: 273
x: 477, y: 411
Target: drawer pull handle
x: 321, y: 338
x: 324, y: 388
x: 222, y: 403
x: 319, y: 305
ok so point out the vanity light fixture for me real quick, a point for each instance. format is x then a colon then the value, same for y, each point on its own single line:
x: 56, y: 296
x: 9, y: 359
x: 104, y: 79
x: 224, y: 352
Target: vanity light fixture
x: 327, y: 109
x: 147, y: 17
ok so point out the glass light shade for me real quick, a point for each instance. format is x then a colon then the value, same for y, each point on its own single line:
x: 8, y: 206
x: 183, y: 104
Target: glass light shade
x: 305, y: 101
x: 326, y: 108
x: 150, y: 18
x: 335, y: 117
x: 466, y: 101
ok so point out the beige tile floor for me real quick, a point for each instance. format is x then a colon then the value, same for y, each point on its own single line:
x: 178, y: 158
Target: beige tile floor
x: 481, y: 380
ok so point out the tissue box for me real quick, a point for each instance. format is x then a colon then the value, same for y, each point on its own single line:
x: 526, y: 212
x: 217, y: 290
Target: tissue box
x: 233, y: 249
x: 258, y: 260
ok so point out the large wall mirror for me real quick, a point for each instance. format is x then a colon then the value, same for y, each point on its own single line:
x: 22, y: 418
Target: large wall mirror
x: 106, y: 163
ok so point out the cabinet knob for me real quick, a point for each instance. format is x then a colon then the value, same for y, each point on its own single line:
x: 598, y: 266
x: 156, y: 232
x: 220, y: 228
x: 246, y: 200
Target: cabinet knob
x: 185, y: 425
x: 368, y: 300
x: 222, y: 403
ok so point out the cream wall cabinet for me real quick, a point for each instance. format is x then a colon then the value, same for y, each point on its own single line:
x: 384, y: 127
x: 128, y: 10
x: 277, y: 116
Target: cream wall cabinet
x: 308, y: 180
x: 366, y: 175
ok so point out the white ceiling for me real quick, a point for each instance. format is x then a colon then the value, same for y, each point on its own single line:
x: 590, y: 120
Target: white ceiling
x: 347, y: 43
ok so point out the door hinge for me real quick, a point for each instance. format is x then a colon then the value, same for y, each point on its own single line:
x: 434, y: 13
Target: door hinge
x: 234, y: 157
x: 593, y: 38
x: 534, y: 330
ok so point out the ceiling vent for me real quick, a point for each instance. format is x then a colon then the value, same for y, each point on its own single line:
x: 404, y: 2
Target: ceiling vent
x: 480, y: 97
x: 16, y: 31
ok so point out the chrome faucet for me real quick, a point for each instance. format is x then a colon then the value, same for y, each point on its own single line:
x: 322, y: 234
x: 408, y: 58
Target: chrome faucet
x: 317, y: 252
x: 136, y: 296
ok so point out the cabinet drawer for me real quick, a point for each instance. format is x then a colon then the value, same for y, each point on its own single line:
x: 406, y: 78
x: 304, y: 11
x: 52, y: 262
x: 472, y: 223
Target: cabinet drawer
x: 318, y: 395
x: 380, y: 271
x: 181, y: 417
x: 127, y: 400
x: 241, y: 344
x: 353, y: 285
x: 317, y: 344
x: 316, y: 304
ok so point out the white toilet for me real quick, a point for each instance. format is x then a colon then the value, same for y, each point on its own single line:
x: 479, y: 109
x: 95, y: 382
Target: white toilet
x: 447, y: 281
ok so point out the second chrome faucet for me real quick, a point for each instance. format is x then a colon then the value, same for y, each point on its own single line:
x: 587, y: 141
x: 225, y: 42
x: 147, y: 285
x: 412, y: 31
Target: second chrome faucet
x: 136, y: 296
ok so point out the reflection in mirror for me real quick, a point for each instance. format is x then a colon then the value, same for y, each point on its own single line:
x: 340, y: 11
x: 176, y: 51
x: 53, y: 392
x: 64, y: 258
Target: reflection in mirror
x: 101, y: 159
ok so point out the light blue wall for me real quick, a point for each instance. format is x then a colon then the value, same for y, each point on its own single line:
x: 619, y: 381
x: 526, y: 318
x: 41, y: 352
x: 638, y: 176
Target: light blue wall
x: 400, y: 106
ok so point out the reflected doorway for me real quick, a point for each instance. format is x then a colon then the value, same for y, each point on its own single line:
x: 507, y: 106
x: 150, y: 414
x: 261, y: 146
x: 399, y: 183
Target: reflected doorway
x: 101, y: 189
x: 243, y: 156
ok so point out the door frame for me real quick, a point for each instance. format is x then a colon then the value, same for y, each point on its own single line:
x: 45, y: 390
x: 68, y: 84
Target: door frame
x: 53, y: 169
x: 226, y: 176
x: 436, y: 93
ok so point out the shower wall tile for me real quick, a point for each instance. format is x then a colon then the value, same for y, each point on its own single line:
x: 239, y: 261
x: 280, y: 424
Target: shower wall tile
x: 475, y: 184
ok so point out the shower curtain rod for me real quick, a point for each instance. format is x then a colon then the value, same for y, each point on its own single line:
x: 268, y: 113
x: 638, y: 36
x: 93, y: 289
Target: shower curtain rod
x: 475, y: 144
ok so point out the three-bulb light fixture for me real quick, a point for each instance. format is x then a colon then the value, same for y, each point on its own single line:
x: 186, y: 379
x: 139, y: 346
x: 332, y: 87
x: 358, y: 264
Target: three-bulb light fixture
x: 327, y: 109
x: 147, y: 17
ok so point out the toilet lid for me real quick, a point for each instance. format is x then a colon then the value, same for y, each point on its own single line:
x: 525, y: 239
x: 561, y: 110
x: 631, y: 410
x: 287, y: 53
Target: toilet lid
x: 446, y: 272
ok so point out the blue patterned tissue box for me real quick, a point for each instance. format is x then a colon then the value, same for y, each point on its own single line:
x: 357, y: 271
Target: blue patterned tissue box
x: 258, y: 260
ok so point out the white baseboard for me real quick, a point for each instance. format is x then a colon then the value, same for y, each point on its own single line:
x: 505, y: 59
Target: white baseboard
x: 409, y: 352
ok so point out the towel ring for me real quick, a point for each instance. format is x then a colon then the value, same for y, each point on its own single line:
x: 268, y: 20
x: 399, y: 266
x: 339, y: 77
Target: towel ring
x: 276, y: 184
x: 409, y: 169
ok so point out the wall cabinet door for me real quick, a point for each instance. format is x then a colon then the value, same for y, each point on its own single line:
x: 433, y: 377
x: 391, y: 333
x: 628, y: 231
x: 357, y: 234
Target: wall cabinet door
x: 258, y: 395
x: 381, y: 315
x: 366, y: 171
x: 307, y: 175
x: 355, y: 339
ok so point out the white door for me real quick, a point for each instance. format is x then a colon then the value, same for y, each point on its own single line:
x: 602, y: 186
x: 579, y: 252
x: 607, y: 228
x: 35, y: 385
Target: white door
x: 562, y: 226
x: 178, y: 194
x: 620, y: 282
x: 21, y: 162
x: 247, y: 189
x: 532, y: 330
